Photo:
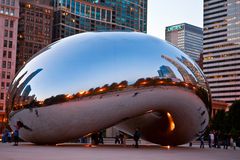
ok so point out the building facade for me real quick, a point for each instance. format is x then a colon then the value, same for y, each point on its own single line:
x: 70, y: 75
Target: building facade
x: 222, y: 48
x: 34, y: 28
x: 9, y: 14
x: 186, y: 37
x: 77, y: 16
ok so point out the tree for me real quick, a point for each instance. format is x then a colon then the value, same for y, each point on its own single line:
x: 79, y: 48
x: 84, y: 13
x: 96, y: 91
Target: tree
x: 234, y: 116
x: 228, y: 122
x: 218, y: 121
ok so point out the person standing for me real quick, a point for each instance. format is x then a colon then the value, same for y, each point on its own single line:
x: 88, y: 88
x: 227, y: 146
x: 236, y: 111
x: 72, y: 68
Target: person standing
x: 117, y: 141
x: 9, y: 136
x: 136, y: 137
x: 121, y: 137
x: 16, y: 136
x: 202, y: 141
x: 100, y: 137
x: 211, y: 139
x: 3, y: 138
x: 216, y: 140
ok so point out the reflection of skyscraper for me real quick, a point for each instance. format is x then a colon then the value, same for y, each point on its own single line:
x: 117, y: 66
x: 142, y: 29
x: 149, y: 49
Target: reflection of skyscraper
x: 196, y: 72
x: 26, y: 91
x: 166, y: 72
x: 186, y: 76
x: 19, y: 90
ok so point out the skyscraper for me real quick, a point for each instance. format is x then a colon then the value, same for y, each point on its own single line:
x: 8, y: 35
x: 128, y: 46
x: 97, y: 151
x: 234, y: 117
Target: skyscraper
x: 34, y: 28
x: 186, y: 37
x: 9, y: 14
x: 76, y: 16
x: 222, y: 48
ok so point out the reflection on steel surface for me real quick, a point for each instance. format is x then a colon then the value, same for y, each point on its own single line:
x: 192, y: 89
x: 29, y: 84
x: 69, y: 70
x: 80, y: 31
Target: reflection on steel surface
x: 90, y: 78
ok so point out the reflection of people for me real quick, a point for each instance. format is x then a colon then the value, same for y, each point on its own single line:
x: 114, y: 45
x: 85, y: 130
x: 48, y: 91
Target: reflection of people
x: 136, y: 137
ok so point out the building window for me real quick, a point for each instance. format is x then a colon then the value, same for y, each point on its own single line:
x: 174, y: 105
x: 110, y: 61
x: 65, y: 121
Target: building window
x: 2, y: 10
x: 6, y: 23
x: 3, y: 1
x: 9, y: 54
x: 12, y: 12
x: 5, y: 43
x: 13, y: 3
x: 2, y: 96
x: 9, y: 65
x: 11, y: 23
x: 2, y: 85
x: 10, y: 44
x: 5, y: 33
x: 7, y: 2
x: 8, y: 75
x: 10, y: 34
x: 4, y: 54
x: 3, y: 74
x: 7, y: 85
x: 7, y: 11
x: 1, y: 106
x: 4, y: 64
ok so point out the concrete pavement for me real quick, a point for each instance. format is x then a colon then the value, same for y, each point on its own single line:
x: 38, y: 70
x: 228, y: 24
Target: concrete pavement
x: 28, y: 151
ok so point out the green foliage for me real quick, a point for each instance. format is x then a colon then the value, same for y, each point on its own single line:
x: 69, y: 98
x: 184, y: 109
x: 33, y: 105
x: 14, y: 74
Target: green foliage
x: 234, y: 115
x: 228, y: 122
x: 218, y: 121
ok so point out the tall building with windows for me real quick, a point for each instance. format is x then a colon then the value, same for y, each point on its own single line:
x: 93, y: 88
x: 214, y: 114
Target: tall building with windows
x: 77, y: 16
x: 222, y: 48
x: 9, y: 13
x: 186, y: 37
x: 34, y: 28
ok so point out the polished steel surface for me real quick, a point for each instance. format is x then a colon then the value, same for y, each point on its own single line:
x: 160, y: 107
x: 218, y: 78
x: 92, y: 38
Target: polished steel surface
x: 93, y: 64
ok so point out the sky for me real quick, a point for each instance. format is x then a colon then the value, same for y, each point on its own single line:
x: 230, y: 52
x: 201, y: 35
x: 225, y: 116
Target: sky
x: 162, y: 13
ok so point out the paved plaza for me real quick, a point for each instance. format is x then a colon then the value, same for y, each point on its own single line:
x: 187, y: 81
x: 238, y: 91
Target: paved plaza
x: 28, y: 151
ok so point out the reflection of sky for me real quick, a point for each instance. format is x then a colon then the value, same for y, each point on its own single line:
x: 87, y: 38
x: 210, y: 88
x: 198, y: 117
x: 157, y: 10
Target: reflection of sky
x: 86, y: 61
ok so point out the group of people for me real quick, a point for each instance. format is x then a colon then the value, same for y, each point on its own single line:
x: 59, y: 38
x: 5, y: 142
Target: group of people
x: 97, y: 138
x: 120, y: 139
x: 8, y: 136
x: 213, y: 141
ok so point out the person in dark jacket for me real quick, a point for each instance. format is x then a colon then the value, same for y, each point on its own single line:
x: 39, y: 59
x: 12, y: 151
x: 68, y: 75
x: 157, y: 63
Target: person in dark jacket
x: 136, y: 137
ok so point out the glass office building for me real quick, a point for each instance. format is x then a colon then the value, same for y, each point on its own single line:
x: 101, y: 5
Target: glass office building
x: 222, y: 48
x: 187, y: 37
x: 77, y: 16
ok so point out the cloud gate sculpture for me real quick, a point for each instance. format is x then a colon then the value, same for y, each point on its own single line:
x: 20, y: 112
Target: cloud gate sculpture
x: 92, y: 81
